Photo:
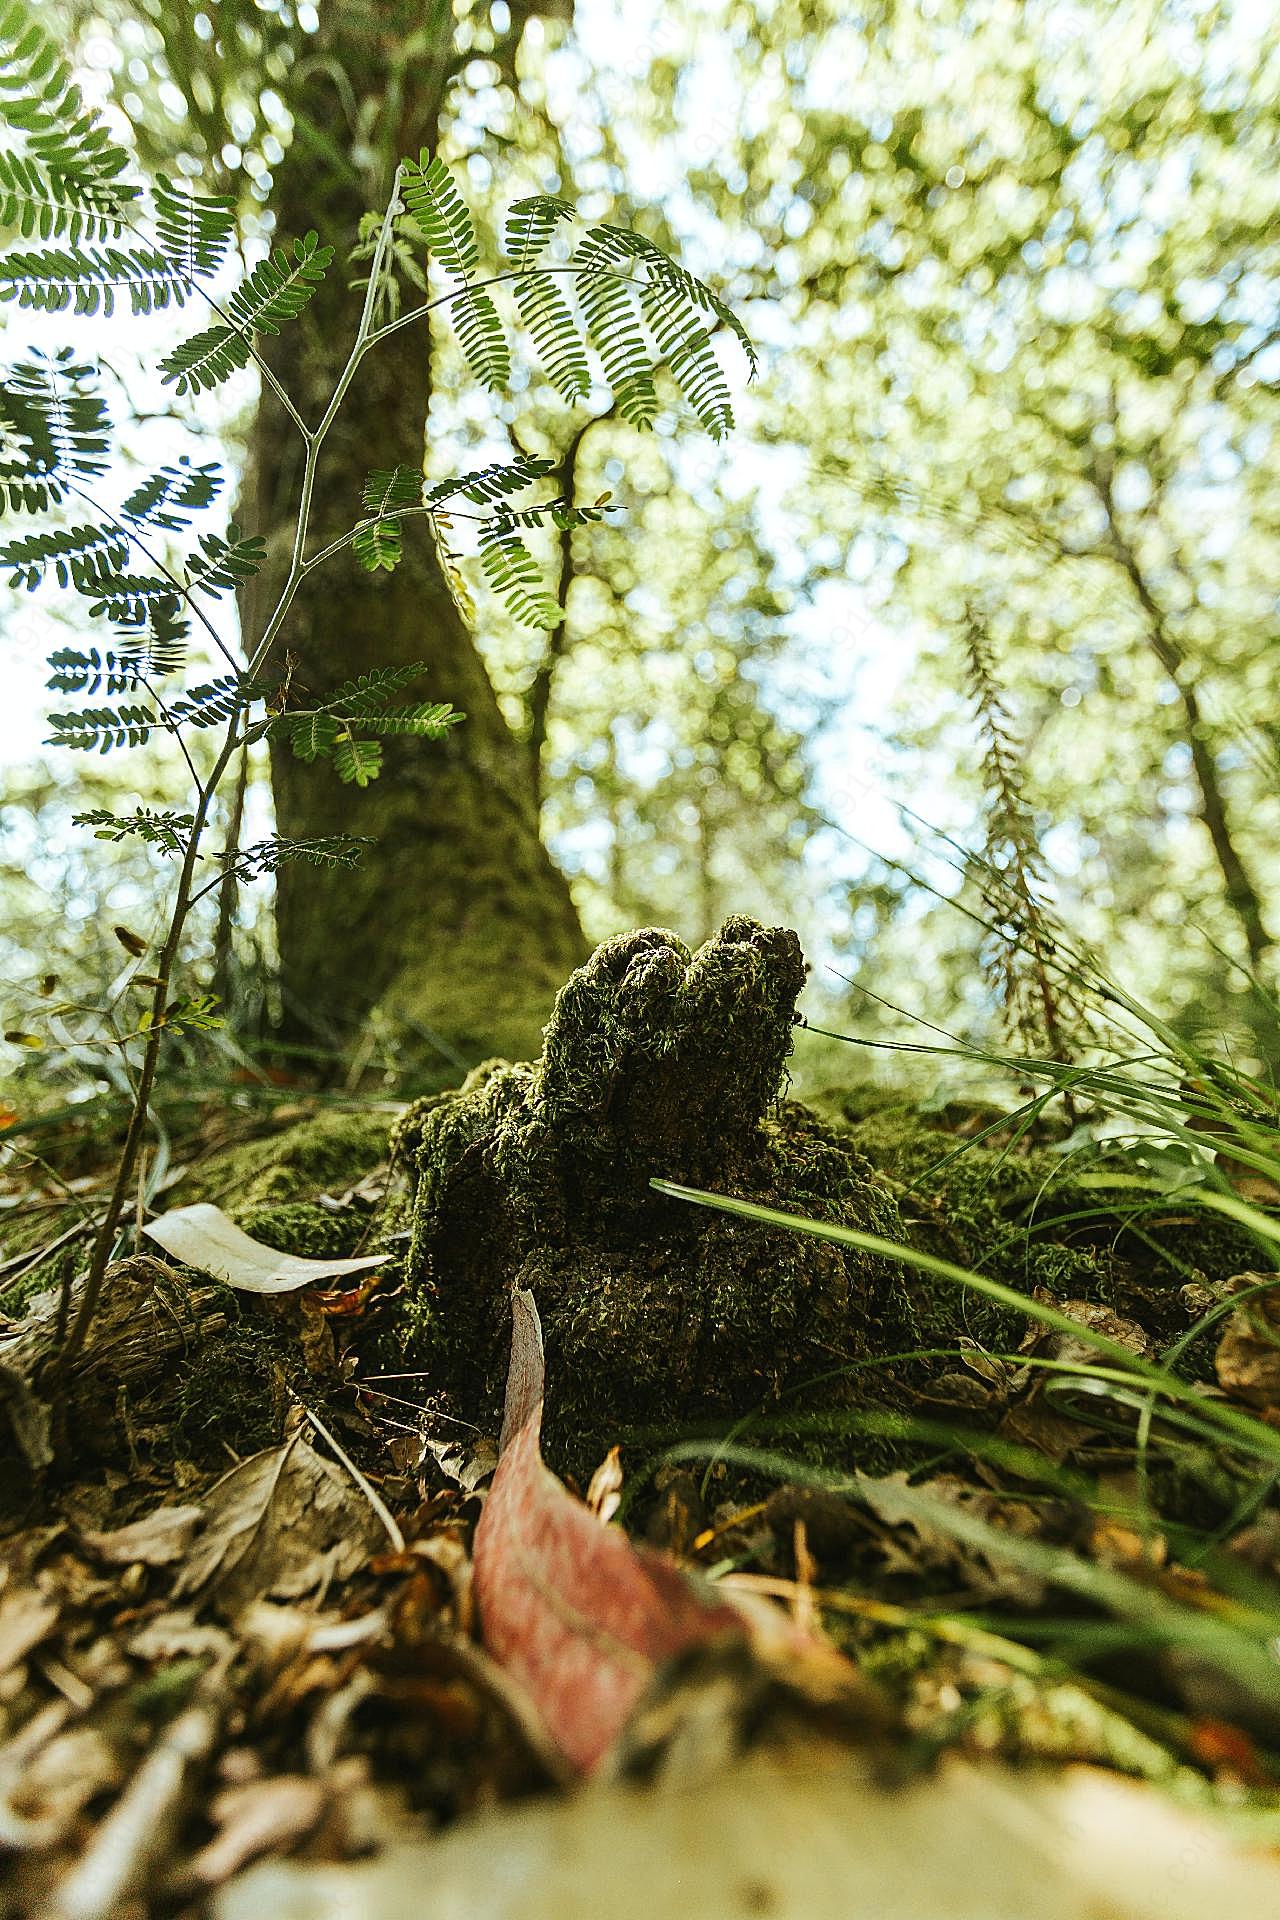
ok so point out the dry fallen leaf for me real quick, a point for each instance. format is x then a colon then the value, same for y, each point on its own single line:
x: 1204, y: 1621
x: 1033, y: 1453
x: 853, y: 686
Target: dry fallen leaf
x: 203, y: 1237
x: 282, y: 1522
x: 1248, y: 1357
x: 568, y: 1606
x: 157, y: 1540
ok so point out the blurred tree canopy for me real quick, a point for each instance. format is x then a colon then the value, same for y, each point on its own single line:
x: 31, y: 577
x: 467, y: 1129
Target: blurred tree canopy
x: 1017, y: 274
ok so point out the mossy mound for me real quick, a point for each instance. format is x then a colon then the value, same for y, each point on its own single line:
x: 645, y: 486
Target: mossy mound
x: 324, y: 1154
x: 656, y: 1062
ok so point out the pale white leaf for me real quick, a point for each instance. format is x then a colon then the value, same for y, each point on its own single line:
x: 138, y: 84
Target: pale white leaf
x: 202, y: 1236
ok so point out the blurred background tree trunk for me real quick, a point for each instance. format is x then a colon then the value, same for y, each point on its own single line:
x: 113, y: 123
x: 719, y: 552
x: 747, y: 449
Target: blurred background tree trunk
x: 456, y: 927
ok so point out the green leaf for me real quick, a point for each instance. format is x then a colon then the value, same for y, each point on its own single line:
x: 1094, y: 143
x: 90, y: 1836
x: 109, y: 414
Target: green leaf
x: 312, y: 736
x: 357, y: 762
x: 275, y: 292
x: 556, y: 335
x: 89, y: 279
x: 512, y: 572
x: 379, y: 544
x: 431, y: 195
x: 56, y: 431
x: 496, y: 482
x: 481, y: 337
x: 531, y: 223
x: 101, y: 728
x: 194, y: 233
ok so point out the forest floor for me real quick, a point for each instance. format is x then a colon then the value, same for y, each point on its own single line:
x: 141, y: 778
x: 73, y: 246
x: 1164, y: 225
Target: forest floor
x: 991, y: 1631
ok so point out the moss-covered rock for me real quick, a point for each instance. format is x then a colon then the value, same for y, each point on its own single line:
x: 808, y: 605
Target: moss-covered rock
x: 656, y: 1062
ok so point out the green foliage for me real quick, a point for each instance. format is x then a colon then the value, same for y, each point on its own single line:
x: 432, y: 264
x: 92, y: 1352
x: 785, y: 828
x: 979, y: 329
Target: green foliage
x: 530, y: 224
x: 68, y: 180
x: 165, y: 830
x: 275, y: 292
x: 99, y: 729
x: 53, y: 431
x: 431, y: 195
x: 348, y: 727
x: 512, y: 572
x: 268, y: 856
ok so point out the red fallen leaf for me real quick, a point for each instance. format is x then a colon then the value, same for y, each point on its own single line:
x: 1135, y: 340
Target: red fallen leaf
x: 574, y: 1612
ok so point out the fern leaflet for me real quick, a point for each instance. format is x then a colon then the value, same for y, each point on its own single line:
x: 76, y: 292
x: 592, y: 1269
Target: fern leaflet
x: 512, y: 572
x: 194, y: 234
x: 275, y: 292
x: 90, y: 278
x: 58, y: 428
x: 496, y: 482
x: 66, y: 550
x: 66, y: 141
x: 431, y: 195
x: 99, y: 729
x: 222, y: 565
x: 554, y: 331
x: 531, y: 223
x: 168, y: 498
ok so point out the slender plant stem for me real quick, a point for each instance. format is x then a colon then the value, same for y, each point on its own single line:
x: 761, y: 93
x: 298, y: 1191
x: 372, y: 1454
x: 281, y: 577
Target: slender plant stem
x: 185, y: 896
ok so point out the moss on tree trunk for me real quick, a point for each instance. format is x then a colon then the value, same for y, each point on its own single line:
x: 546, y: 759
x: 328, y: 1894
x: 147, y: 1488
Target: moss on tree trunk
x: 457, y: 926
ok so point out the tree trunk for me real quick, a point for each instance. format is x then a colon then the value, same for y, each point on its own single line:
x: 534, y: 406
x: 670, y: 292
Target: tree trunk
x: 456, y: 926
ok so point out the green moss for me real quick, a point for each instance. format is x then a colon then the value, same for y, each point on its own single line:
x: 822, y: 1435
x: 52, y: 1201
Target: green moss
x: 316, y: 1233
x: 656, y: 1061
x: 321, y: 1155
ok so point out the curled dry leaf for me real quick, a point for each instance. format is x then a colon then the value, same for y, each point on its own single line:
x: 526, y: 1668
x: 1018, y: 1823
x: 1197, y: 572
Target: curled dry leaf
x: 579, y: 1617
x: 203, y: 1237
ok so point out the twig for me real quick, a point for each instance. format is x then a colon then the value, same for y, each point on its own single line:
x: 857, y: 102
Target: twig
x: 370, y: 1493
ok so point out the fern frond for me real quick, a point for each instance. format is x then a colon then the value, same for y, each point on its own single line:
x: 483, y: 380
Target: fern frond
x: 195, y: 234
x: 167, y: 831
x: 610, y: 309
x: 223, y: 565
x: 92, y: 672
x: 156, y: 644
x: 555, y: 334
x: 211, y: 704
x: 58, y: 430
x: 275, y: 292
x: 531, y: 223
x: 126, y: 597
x: 330, y: 850
x: 66, y: 140
x: 512, y: 572
x: 167, y: 499
x: 387, y: 491
x: 660, y: 266
x: 99, y: 729
x: 684, y: 345
x: 312, y: 735
x: 88, y: 279
x: 431, y: 195
x: 357, y: 762
x: 368, y: 691
x: 50, y: 206
x: 481, y: 337
x: 554, y: 513
x: 496, y: 482
x: 66, y: 550
x: 429, y: 720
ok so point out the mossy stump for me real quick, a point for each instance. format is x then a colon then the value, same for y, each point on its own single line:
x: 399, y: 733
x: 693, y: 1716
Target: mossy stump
x: 657, y: 1315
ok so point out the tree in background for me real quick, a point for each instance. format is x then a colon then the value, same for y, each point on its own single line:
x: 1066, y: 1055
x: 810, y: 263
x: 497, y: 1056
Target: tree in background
x: 1036, y: 255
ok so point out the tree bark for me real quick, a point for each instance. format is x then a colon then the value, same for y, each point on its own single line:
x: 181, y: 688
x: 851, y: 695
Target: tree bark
x: 456, y: 926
